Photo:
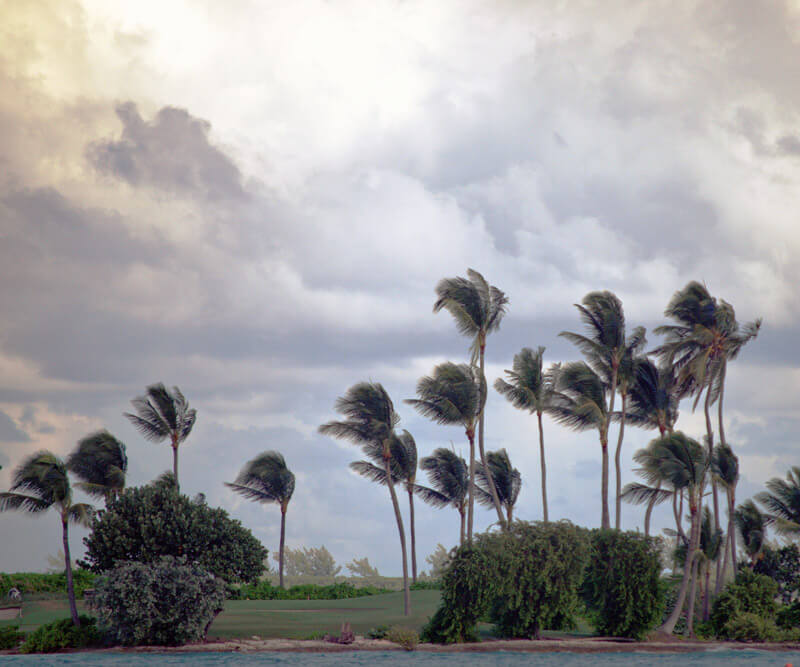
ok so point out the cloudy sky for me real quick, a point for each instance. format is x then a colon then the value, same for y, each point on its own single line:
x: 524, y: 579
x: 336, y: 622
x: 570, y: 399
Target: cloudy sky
x: 254, y: 201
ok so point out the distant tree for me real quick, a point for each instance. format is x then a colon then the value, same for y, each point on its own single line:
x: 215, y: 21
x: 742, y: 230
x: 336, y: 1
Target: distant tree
x: 362, y: 568
x: 310, y: 562
x: 438, y: 560
x: 101, y: 463
x: 163, y: 415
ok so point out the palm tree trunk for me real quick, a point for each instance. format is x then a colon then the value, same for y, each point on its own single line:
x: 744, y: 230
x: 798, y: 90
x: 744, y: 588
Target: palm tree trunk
x: 399, y: 518
x: 710, y: 431
x: 722, y: 441
x: 732, y: 528
x: 73, y: 609
x: 489, y: 480
x: 413, y: 536
x: 605, y: 520
x: 617, y: 464
x: 463, y: 521
x: 471, y: 487
x: 650, y: 505
x: 706, y: 596
x: 175, y: 466
x: 725, y: 557
x: 543, y: 466
x: 692, y: 592
x: 280, y: 552
x: 669, y: 625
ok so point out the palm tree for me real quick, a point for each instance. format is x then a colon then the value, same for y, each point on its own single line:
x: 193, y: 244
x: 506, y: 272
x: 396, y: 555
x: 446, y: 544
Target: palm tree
x: 455, y: 394
x: 507, y: 481
x: 448, y: 474
x: 637, y: 493
x: 39, y: 483
x: 530, y: 388
x: 752, y: 528
x: 725, y: 468
x: 161, y: 415
x: 580, y: 404
x: 100, y: 462
x: 370, y: 420
x: 266, y: 479
x: 710, y: 547
x: 404, y: 469
x: 478, y: 308
x: 783, y: 502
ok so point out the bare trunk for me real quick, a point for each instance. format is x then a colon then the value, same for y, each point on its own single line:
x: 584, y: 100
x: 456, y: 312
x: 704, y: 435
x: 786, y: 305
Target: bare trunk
x: 732, y: 529
x: 722, y: 441
x: 73, y: 609
x: 471, y: 488
x: 543, y: 466
x: 692, y: 592
x: 649, y: 512
x: 710, y: 431
x: 399, y: 518
x: 618, y: 466
x: 725, y: 556
x: 413, y: 536
x: 489, y: 479
x: 463, y: 521
x: 283, y: 541
x: 706, y: 594
x: 669, y: 625
x: 175, y: 465
x: 605, y: 520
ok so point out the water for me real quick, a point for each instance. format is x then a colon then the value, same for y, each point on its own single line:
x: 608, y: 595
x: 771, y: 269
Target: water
x: 709, y: 658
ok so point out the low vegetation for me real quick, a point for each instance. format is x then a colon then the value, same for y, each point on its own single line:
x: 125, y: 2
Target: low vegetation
x: 63, y: 634
x: 264, y: 590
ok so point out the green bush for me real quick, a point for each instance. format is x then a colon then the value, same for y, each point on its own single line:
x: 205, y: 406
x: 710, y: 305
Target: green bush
x: 264, y: 590
x: 426, y: 585
x: 408, y: 638
x: 143, y: 524
x: 378, y: 633
x: 169, y: 602
x: 782, y: 565
x: 10, y: 637
x: 789, y: 616
x: 621, y: 587
x: 747, y: 627
x: 30, y: 583
x: 62, y: 634
x: 749, y: 593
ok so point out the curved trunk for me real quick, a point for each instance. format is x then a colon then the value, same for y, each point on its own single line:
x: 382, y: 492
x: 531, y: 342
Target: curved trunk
x: 669, y: 625
x: 413, y: 536
x: 73, y: 609
x: 692, y: 592
x: 399, y: 518
x: 650, y: 505
x: 283, y: 541
x: 618, y: 507
x: 471, y: 487
x: 489, y: 480
x: 605, y: 521
x: 722, y: 441
x: 710, y: 431
x: 732, y: 528
x: 543, y: 466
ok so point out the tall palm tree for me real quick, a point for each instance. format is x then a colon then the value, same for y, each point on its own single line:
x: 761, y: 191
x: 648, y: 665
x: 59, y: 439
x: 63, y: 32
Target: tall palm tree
x: 39, y: 483
x: 266, y: 479
x: 478, y: 308
x: 782, y: 501
x: 530, y: 388
x: 752, y: 527
x: 163, y: 415
x: 100, y: 462
x: 580, y: 404
x: 455, y: 394
x: 725, y: 468
x: 404, y: 469
x: 448, y: 474
x: 507, y: 481
x: 370, y: 420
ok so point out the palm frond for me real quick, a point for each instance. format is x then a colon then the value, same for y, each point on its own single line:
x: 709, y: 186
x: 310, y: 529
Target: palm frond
x: 21, y: 501
x: 639, y: 494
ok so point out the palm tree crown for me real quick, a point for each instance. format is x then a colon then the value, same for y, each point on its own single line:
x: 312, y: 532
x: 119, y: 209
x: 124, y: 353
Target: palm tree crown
x: 782, y: 501
x: 507, y: 481
x: 654, y: 397
x: 448, y: 474
x: 100, y: 462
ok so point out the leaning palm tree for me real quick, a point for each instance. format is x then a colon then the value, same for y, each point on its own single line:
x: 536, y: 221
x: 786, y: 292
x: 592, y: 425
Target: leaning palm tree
x: 455, y: 394
x: 580, y: 403
x: 478, y: 308
x: 637, y: 493
x: 725, y: 468
x: 751, y: 525
x: 782, y: 501
x: 163, y: 415
x: 370, y: 421
x: 100, y: 462
x: 39, y: 483
x: 448, y: 474
x: 404, y: 469
x: 507, y: 480
x: 530, y: 388
x: 266, y: 479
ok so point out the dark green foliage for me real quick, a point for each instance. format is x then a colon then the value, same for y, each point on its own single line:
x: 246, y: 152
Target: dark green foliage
x: 621, y: 587
x: 148, y: 522
x: 10, y: 637
x: 37, y: 582
x: 749, y: 593
x: 789, y: 616
x: 378, y: 633
x: 168, y: 602
x: 62, y: 634
x: 747, y: 627
x: 426, y: 585
x: 264, y: 590
x: 782, y: 565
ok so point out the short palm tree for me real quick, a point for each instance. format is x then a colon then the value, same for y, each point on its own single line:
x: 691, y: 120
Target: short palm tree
x: 507, y: 481
x: 782, y: 501
x: 100, y: 462
x: 725, y: 469
x: 39, y: 483
x: 530, y: 388
x: 163, y: 415
x: 477, y: 308
x: 455, y: 394
x: 751, y: 525
x: 266, y: 479
x: 404, y: 469
x: 369, y: 421
x: 448, y: 474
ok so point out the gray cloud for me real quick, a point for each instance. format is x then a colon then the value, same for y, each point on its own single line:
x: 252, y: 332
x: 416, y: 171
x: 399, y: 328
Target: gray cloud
x: 9, y: 431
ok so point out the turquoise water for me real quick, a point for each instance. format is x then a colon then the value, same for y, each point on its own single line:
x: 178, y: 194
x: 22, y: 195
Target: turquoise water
x: 395, y: 659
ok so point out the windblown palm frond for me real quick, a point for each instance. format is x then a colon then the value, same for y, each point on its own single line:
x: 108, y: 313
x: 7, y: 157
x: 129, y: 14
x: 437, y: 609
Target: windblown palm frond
x: 782, y: 501
x: 527, y: 387
x: 636, y: 493
x: 454, y: 394
x: 654, y: 397
x: 448, y: 474
x: 579, y: 400
x: 265, y: 479
x: 752, y: 528
x: 725, y: 466
x: 506, y: 478
x: 161, y: 414
x: 100, y: 462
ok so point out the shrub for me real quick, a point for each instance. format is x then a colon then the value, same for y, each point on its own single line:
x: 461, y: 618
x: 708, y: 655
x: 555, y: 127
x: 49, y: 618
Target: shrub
x: 426, y: 585
x: 36, y: 582
x: 168, y: 602
x: 789, y: 616
x: 747, y: 627
x: 749, y: 593
x: 10, y: 637
x: 782, y: 565
x: 264, y: 590
x: 405, y: 637
x: 378, y: 633
x: 622, y: 587
x: 143, y: 524
x: 62, y: 634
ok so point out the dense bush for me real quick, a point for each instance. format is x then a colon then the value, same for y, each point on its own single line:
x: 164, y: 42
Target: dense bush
x: 62, y: 634
x: 782, y: 565
x: 36, y: 582
x: 747, y: 627
x: 264, y: 590
x: 426, y: 585
x: 788, y: 616
x: 621, y: 587
x: 10, y: 637
x: 169, y: 602
x: 143, y: 524
x: 749, y: 593
x: 408, y: 638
